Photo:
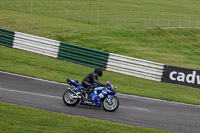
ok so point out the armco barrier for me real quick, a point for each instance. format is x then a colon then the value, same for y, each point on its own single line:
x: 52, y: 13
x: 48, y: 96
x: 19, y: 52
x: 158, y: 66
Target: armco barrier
x: 135, y: 67
x: 95, y: 58
x: 6, y: 37
x: 82, y: 55
x: 36, y: 44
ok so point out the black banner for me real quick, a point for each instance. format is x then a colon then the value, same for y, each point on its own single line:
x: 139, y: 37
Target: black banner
x: 182, y: 76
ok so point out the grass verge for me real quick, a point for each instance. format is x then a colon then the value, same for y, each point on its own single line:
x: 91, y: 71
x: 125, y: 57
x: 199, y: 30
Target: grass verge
x: 18, y: 119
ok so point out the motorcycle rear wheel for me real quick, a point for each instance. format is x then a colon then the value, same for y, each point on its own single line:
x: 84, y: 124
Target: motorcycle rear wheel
x: 110, y: 106
x: 68, y: 100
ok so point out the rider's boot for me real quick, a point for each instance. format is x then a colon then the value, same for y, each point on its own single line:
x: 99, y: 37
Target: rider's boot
x: 87, y: 96
x: 83, y: 93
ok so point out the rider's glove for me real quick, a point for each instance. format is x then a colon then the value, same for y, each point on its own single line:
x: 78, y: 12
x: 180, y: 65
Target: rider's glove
x: 107, y: 86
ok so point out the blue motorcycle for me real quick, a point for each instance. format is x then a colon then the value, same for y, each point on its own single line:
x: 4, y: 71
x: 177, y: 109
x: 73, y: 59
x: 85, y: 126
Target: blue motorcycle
x: 101, y: 96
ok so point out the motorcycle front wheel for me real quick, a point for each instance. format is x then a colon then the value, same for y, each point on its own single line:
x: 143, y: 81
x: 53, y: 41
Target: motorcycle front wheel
x: 69, y: 100
x: 110, y: 105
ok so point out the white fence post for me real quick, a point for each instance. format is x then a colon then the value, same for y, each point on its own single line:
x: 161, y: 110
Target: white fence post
x: 89, y: 17
x: 31, y: 8
x: 145, y: 22
x: 158, y: 21
x: 198, y: 23
x: 189, y: 23
x: 125, y: 20
x: 66, y: 14
x: 98, y: 17
x: 169, y: 25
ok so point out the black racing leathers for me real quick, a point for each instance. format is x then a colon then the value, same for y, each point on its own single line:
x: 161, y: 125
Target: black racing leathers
x: 89, y: 79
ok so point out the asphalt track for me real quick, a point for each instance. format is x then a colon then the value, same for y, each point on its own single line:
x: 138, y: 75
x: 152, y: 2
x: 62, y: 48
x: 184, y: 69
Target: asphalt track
x: 133, y: 110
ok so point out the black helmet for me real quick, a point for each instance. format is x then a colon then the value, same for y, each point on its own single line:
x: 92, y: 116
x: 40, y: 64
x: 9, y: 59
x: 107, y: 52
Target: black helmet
x: 99, y: 71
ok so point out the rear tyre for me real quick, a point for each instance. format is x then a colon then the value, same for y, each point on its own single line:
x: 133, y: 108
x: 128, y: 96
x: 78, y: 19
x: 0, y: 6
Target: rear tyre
x: 112, y: 105
x: 69, y: 100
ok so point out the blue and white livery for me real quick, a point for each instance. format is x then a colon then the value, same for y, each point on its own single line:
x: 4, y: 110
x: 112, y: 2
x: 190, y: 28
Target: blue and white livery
x: 101, y: 96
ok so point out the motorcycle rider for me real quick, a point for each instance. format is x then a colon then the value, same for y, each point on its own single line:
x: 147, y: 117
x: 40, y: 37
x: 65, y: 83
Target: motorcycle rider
x: 92, y: 78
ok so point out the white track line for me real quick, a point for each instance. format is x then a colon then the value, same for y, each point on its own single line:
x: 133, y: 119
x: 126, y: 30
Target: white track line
x: 34, y: 78
x: 158, y: 100
x: 30, y: 93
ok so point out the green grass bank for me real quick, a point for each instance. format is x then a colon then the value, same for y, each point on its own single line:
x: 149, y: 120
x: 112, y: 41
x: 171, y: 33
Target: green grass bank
x: 18, y: 119
x: 114, y: 12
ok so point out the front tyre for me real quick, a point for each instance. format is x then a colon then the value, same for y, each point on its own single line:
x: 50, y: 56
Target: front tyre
x: 68, y: 98
x: 110, y: 105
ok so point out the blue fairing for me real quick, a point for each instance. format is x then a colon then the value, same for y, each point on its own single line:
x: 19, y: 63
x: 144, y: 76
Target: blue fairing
x: 111, y: 96
x: 96, y: 96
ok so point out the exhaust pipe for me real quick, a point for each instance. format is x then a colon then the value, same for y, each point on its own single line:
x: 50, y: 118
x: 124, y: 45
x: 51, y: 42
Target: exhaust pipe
x: 75, y: 96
